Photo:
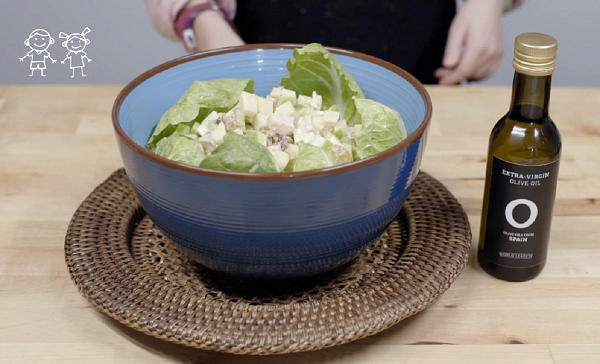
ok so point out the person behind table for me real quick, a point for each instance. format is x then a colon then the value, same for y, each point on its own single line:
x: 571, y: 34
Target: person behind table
x: 75, y: 44
x: 428, y: 38
x: 39, y: 40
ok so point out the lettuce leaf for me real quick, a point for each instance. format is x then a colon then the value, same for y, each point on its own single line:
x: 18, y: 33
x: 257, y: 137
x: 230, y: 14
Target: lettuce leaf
x: 182, y: 148
x: 382, y: 128
x: 240, y: 154
x: 202, y: 98
x: 314, y: 68
x: 312, y: 157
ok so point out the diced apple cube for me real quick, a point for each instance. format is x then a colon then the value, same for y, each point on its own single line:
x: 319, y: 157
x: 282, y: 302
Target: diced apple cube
x: 202, y: 129
x: 303, y: 137
x: 286, y: 108
x: 281, y: 158
x: 261, y: 138
x: 287, y: 95
x: 248, y: 103
x: 305, y: 100
x: 259, y: 120
x: 331, y: 117
x: 238, y: 131
x: 331, y: 138
x: 355, y: 131
x: 207, y: 142
x: 276, y: 92
x: 265, y: 106
x: 207, y: 125
x: 341, y: 128
x: 305, y: 124
x: 212, y: 116
x: 317, y: 101
x: 301, y: 111
x: 318, y: 121
x: 241, y: 118
x: 281, y: 123
x: 257, y: 136
x: 218, y: 133
x: 273, y: 148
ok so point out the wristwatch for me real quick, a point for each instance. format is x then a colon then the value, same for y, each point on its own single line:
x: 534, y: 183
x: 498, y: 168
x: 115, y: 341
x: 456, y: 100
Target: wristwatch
x: 184, y: 24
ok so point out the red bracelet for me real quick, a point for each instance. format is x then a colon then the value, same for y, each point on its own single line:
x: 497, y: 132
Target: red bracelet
x: 184, y: 24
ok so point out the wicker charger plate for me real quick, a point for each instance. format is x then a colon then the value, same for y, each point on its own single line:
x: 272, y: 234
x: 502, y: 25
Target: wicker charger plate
x: 123, y: 265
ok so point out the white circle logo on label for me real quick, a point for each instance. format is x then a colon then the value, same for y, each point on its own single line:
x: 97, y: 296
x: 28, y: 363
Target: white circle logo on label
x: 511, y: 207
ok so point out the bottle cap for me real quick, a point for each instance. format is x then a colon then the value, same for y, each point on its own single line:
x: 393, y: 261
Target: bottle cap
x: 535, y: 54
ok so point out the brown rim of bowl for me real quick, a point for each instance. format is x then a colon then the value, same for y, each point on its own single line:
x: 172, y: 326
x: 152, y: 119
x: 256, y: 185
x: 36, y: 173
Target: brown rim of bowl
x: 281, y: 176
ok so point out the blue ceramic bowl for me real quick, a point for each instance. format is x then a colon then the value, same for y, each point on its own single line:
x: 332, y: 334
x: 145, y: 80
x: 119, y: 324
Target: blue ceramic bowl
x: 279, y: 226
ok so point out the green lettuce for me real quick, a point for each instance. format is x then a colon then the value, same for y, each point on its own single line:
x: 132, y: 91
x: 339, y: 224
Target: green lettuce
x: 382, y: 128
x: 314, y: 68
x: 182, y: 148
x: 312, y: 157
x: 202, y: 98
x: 240, y: 154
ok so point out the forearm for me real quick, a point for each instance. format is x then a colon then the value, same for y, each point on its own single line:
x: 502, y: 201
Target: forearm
x: 508, y: 5
x: 212, y: 31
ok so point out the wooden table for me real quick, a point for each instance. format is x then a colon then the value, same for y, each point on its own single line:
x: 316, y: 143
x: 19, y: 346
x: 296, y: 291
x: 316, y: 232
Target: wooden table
x: 57, y: 144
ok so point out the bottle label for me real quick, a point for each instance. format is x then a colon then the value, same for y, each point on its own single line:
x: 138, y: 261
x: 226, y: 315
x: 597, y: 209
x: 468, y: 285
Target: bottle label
x: 519, y: 213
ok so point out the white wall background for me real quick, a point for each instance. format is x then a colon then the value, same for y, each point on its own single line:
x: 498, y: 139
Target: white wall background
x: 576, y: 26
x: 124, y: 44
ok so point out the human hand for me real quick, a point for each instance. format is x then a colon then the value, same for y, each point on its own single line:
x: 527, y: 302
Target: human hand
x: 53, y: 61
x: 229, y: 5
x: 62, y: 62
x: 89, y: 60
x: 21, y: 59
x: 478, y: 28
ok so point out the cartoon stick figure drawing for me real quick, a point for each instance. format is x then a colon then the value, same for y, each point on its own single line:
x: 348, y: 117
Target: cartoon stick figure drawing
x: 39, y: 40
x: 76, y: 43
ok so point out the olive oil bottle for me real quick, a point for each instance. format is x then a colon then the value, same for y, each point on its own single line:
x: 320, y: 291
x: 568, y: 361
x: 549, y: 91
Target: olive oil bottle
x: 522, y: 169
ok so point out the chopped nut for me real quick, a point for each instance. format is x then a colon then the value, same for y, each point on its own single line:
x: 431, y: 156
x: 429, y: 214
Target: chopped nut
x: 282, y: 140
x: 231, y: 123
x: 292, y: 150
x: 342, y: 153
x: 328, y: 128
x: 271, y: 135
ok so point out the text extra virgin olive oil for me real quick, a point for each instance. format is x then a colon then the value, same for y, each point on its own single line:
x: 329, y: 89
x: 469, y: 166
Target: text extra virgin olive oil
x: 522, y: 169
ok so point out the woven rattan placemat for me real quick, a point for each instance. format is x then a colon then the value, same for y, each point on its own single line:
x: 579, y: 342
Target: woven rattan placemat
x: 122, y: 264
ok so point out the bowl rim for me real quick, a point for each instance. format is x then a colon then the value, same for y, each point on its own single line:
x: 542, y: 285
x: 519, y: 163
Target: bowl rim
x: 279, y: 176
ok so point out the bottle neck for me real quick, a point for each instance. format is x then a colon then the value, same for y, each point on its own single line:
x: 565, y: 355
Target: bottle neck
x: 530, y: 98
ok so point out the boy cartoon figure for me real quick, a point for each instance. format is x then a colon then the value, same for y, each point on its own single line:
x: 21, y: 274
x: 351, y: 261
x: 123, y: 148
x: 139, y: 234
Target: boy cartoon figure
x: 76, y: 43
x: 39, y: 40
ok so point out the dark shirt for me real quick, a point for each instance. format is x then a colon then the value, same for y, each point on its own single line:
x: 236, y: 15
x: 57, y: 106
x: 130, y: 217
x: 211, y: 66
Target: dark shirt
x: 409, y: 33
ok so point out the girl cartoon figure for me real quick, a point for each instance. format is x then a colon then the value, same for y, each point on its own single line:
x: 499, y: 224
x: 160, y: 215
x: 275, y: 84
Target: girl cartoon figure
x: 76, y: 43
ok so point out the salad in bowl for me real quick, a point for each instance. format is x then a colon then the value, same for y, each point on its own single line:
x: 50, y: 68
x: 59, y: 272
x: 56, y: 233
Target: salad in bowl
x: 317, y: 117
x: 272, y: 161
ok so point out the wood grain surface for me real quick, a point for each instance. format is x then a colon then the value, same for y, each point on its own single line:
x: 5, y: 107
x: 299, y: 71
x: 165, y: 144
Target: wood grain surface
x: 57, y: 144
